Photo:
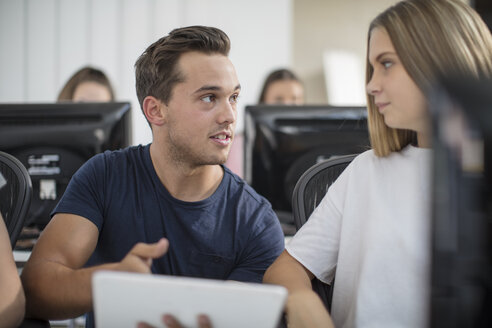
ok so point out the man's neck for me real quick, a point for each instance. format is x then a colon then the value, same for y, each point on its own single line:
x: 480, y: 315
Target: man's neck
x: 183, y: 181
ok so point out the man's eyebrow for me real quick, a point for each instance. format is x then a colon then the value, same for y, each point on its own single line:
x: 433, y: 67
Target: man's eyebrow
x: 214, y: 88
x: 208, y: 88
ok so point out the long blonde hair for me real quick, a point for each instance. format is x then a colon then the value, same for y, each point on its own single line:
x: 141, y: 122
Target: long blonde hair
x: 433, y: 39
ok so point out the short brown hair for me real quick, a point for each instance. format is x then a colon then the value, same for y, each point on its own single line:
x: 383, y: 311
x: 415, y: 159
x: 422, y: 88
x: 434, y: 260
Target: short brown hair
x: 433, y: 39
x: 156, y: 70
x: 85, y: 74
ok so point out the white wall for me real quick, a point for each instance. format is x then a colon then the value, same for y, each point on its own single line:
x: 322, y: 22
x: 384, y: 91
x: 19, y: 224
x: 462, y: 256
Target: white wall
x: 43, y: 42
x: 333, y: 27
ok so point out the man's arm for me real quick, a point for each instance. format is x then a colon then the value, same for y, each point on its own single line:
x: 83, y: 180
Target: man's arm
x: 264, y: 244
x: 56, y: 285
x: 304, y: 308
x: 12, y: 299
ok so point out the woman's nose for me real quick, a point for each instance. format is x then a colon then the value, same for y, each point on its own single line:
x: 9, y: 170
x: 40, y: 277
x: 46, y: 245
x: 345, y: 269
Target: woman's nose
x: 373, y: 86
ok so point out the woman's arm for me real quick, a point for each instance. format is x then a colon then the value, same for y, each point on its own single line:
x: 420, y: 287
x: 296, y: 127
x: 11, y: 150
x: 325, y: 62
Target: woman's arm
x: 12, y: 300
x: 304, y: 307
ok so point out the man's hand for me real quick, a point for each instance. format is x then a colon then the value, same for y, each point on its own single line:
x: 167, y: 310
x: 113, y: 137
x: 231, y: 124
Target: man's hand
x: 171, y: 322
x: 139, y: 258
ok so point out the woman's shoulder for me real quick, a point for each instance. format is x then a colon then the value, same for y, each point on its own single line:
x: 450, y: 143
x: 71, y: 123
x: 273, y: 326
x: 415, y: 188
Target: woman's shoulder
x: 406, y: 153
x: 360, y: 165
x: 369, y: 163
x: 365, y: 158
x: 408, y: 156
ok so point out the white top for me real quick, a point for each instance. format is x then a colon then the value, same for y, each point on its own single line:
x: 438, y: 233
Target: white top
x: 373, y: 227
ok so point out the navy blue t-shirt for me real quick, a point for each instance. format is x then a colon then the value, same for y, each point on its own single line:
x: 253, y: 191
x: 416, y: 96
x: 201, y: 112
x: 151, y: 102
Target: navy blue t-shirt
x: 234, y: 234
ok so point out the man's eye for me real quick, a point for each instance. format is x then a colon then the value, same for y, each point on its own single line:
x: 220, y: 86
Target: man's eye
x: 234, y: 99
x: 208, y: 99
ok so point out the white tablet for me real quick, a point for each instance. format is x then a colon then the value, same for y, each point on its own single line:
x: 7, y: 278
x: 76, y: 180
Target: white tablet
x: 123, y: 299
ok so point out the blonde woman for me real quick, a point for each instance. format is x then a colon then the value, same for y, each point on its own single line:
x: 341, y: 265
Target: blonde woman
x: 373, y: 226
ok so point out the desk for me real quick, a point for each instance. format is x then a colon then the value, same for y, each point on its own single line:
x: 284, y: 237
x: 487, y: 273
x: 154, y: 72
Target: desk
x: 21, y: 258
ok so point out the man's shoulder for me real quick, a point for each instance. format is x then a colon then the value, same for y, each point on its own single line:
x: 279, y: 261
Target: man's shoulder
x: 120, y: 156
x: 244, y: 189
x: 113, y: 162
x: 128, y: 152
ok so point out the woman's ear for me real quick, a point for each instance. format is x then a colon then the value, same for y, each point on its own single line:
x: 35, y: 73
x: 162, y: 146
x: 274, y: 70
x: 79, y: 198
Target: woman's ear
x: 154, y: 110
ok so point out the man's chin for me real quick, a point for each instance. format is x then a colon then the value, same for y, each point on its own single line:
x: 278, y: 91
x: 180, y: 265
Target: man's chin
x: 215, y: 161
x: 221, y: 161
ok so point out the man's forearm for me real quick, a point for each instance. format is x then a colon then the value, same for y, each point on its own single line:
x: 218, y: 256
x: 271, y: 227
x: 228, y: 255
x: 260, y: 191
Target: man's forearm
x: 54, y: 291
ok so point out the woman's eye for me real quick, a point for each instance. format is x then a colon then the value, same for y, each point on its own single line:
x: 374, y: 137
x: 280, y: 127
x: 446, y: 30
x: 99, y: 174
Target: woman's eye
x: 386, y: 64
x: 208, y: 99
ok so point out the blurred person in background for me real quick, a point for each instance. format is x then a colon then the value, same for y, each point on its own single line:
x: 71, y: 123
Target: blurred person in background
x: 89, y: 85
x: 282, y: 87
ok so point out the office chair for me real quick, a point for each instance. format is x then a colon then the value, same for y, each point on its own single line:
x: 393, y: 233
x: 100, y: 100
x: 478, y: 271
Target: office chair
x: 15, y: 199
x: 308, y: 192
x: 15, y: 195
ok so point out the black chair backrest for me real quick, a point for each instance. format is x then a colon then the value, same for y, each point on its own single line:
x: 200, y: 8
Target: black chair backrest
x: 15, y: 196
x: 308, y: 192
x: 313, y: 185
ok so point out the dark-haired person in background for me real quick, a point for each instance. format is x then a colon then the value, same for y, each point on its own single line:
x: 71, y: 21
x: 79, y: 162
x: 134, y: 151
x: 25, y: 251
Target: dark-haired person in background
x: 87, y: 84
x: 169, y: 207
x: 282, y: 87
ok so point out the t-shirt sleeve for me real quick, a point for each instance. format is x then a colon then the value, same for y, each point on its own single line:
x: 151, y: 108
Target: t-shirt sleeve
x: 316, y: 244
x: 263, y: 247
x: 84, y: 193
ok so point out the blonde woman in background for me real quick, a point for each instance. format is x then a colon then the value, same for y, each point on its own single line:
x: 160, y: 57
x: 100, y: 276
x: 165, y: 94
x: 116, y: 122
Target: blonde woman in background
x: 373, y: 226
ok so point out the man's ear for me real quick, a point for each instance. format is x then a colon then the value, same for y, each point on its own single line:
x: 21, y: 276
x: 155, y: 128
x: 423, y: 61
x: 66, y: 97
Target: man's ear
x: 154, y: 110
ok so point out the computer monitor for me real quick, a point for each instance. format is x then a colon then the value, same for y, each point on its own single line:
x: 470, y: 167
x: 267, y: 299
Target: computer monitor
x: 54, y: 140
x: 461, y: 280
x: 281, y: 142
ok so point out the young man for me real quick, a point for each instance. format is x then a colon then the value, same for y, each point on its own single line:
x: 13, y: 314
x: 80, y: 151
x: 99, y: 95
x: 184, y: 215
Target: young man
x: 169, y: 207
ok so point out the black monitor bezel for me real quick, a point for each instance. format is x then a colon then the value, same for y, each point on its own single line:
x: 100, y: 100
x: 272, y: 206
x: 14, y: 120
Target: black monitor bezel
x: 302, y: 119
x: 74, y: 131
